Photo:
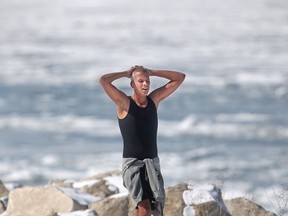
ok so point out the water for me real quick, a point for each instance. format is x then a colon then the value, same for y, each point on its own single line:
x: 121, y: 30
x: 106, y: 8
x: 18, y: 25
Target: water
x: 226, y: 124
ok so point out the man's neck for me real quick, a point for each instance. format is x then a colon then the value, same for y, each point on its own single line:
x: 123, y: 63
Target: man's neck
x: 140, y: 101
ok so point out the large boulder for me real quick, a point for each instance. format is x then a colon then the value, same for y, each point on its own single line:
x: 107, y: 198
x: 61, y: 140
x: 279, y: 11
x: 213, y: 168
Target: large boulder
x: 44, y: 201
x: 242, y: 206
x: 114, y: 205
x: 210, y: 208
x: 174, y: 203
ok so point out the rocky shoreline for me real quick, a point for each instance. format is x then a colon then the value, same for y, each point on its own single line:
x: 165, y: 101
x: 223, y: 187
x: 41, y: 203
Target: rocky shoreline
x: 104, y: 195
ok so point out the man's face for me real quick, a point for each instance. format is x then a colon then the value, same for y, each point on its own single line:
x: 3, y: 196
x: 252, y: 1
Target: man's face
x: 141, y: 83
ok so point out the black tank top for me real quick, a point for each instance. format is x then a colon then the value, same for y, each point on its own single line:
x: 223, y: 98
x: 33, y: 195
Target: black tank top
x: 139, y: 131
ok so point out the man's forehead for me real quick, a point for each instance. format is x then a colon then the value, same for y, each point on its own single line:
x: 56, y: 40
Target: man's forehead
x: 141, y: 74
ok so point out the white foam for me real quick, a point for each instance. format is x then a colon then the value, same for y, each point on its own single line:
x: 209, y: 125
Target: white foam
x: 11, y: 186
x: 240, y: 78
x: 224, y: 126
x: 259, y: 78
x: 82, y: 184
x: 80, y: 197
x: 21, y: 174
x: 117, y: 181
x: 242, y: 117
x: 87, y: 212
x: 198, y: 194
x: 50, y: 160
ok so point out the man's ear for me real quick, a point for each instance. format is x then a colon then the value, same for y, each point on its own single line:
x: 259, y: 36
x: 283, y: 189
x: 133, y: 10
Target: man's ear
x: 132, y: 84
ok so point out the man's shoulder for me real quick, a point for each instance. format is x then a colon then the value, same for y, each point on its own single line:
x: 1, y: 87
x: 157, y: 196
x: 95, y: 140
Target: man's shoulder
x: 153, y: 99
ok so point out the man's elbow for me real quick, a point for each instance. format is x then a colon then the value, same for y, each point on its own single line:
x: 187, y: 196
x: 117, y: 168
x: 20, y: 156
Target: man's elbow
x: 102, y: 80
x: 182, y: 77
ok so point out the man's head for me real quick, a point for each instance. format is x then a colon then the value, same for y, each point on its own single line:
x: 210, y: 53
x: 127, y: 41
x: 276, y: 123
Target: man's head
x: 140, y: 80
x: 139, y: 69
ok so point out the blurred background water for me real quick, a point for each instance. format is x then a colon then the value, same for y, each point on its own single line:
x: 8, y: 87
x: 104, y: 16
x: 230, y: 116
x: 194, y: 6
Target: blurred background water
x: 227, y: 123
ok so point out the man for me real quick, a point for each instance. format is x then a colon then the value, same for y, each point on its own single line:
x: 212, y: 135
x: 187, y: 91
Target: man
x: 138, y: 122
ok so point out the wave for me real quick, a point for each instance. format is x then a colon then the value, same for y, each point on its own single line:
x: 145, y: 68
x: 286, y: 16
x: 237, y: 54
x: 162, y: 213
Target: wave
x: 90, y: 76
x: 235, y: 126
x: 64, y: 124
x: 240, y: 78
x: 238, y: 126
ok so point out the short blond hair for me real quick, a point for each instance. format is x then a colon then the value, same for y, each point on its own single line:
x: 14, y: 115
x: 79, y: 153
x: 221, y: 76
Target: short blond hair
x: 140, y: 70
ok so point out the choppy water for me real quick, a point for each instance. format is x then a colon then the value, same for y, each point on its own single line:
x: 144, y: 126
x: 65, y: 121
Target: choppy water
x: 227, y: 123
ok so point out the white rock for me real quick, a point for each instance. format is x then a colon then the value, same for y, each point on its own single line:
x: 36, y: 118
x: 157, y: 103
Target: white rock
x: 189, y: 211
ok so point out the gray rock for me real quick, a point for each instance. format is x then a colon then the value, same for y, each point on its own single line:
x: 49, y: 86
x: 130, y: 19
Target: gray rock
x: 210, y: 208
x: 3, y: 204
x: 2, y: 207
x: 242, y: 206
x: 120, y: 206
x: 60, y: 183
x: 99, y: 189
x: 3, y: 190
x: 174, y: 203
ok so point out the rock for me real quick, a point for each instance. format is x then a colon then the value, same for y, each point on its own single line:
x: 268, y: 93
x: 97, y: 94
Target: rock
x: 3, y: 190
x: 95, y: 185
x: 174, y: 203
x: 61, y: 183
x: 87, y: 212
x: 115, y: 205
x: 44, y: 201
x: 124, y: 206
x: 2, y: 207
x: 100, y: 189
x: 242, y: 206
x: 66, y: 197
x: 210, y: 208
x: 3, y: 204
x: 206, y: 200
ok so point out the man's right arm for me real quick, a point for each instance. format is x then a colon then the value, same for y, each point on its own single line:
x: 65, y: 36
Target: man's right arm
x: 117, y: 96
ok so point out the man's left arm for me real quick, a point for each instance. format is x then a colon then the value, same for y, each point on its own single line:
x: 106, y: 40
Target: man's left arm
x: 176, y: 78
